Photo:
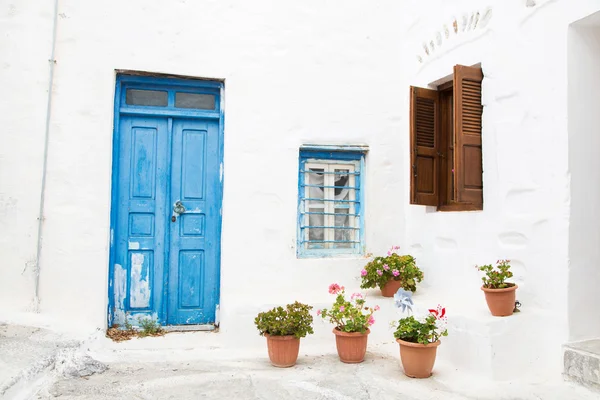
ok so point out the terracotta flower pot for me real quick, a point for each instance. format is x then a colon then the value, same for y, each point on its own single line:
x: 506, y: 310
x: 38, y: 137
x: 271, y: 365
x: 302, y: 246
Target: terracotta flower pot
x: 390, y: 288
x: 351, y: 347
x: 501, y: 302
x: 418, y: 359
x: 283, y: 350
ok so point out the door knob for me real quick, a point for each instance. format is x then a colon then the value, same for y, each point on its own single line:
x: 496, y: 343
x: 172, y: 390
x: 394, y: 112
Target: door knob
x: 178, y: 208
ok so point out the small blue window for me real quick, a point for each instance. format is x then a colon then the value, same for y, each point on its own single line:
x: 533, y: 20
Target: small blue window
x: 330, y: 203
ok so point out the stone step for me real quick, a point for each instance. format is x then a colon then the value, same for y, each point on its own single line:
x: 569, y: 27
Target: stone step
x: 582, y: 363
x: 478, y: 344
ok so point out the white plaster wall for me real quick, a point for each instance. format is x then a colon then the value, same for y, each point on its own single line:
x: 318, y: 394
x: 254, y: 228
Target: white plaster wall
x: 523, y: 53
x: 323, y: 72
x: 25, y: 48
x: 584, y: 167
x: 294, y: 73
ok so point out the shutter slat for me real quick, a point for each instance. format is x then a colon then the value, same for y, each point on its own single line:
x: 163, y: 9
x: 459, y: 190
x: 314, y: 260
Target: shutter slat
x: 425, y: 123
x: 468, y: 179
x: 424, y: 127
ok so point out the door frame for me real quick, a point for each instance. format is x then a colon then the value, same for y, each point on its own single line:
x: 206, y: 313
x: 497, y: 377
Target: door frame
x: 127, y: 79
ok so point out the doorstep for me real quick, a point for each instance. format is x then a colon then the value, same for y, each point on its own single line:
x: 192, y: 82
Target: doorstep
x: 582, y: 363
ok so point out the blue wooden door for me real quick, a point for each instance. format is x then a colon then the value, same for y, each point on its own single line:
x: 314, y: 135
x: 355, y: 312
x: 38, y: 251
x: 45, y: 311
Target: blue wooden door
x: 193, y: 273
x: 139, y: 274
x: 166, y: 261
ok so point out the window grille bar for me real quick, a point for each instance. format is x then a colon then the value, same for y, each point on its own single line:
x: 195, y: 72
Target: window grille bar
x: 332, y: 187
x: 326, y: 213
x: 330, y: 173
x: 333, y: 201
x: 329, y: 241
x: 327, y: 227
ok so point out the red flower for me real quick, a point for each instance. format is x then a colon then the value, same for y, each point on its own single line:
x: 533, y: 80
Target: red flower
x: 439, y: 313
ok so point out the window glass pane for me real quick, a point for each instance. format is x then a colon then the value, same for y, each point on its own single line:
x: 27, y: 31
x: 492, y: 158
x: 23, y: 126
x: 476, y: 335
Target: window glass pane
x: 343, y: 234
x: 342, y: 180
x: 315, y: 179
x: 136, y: 97
x: 195, y: 100
x: 316, y: 233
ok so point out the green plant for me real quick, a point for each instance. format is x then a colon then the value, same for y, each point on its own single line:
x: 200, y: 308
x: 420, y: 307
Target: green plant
x: 394, y: 266
x: 495, y: 277
x: 128, y: 325
x: 149, y: 327
x: 348, y: 315
x: 425, y: 331
x: 294, y: 320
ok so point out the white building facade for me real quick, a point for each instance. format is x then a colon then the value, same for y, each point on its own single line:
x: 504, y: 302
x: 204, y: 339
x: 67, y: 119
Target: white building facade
x: 285, y: 79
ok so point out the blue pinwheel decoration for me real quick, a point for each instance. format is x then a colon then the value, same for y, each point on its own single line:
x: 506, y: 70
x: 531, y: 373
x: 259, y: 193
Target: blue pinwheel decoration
x: 403, y: 300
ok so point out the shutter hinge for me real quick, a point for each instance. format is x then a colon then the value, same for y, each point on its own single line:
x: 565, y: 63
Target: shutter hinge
x: 414, y: 170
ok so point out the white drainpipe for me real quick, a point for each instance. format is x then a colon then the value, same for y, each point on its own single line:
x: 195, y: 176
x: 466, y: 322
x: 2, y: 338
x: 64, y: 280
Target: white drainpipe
x: 52, y: 62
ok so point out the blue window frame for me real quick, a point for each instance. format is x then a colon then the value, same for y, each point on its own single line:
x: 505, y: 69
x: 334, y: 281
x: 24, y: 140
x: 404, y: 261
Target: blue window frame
x: 330, y: 202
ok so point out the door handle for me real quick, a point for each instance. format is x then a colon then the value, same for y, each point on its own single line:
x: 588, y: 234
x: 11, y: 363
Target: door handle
x: 178, y: 209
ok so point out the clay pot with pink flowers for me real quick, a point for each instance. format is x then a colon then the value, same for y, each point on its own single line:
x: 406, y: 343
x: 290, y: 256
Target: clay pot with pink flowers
x: 391, y: 273
x: 352, y: 319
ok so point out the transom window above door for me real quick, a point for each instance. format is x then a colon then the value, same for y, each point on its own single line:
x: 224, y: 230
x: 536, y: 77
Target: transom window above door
x: 330, y: 218
x: 140, y: 95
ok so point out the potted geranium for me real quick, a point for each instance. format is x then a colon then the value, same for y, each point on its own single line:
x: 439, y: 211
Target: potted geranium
x: 283, y: 329
x: 499, y: 294
x: 352, y: 319
x: 419, y: 338
x: 391, y: 272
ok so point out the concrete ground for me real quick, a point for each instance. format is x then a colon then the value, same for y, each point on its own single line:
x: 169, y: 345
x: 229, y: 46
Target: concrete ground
x: 37, y: 363
x: 315, y: 377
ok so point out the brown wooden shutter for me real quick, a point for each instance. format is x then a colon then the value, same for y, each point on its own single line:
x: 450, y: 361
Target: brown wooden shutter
x: 424, y: 144
x: 468, y: 171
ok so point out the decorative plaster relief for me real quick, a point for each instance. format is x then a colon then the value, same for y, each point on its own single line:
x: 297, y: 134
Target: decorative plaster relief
x: 469, y: 22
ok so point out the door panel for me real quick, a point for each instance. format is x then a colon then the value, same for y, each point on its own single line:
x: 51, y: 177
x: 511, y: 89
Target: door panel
x: 193, y: 261
x: 140, y: 231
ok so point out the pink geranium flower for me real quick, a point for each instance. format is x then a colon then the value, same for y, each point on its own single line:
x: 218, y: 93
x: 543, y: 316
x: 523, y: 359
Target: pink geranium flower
x: 363, y: 272
x: 376, y: 308
x: 395, y: 272
x: 319, y: 312
x: 371, y: 320
x: 379, y: 272
x: 386, y: 267
x: 334, y: 288
x: 342, y: 308
x: 356, y: 296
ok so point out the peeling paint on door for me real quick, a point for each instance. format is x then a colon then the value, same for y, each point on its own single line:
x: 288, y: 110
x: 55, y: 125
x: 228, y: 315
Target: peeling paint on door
x: 120, y: 293
x: 139, y: 287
